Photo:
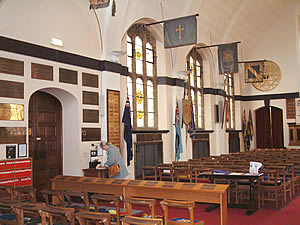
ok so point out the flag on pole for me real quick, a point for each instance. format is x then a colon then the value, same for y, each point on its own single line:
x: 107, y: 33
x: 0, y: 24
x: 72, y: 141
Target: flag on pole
x: 192, y: 125
x: 127, y: 130
x: 228, y: 58
x: 254, y: 72
x: 178, y: 141
x: 245, y: 133
x: 250, y: 125
x: 181, y: 31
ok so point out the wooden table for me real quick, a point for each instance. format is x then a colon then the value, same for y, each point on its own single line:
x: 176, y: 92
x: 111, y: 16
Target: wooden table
x: 102, y: 172
x: 207, y: 193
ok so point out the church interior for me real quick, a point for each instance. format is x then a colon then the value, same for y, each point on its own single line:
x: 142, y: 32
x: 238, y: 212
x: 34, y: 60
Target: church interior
x: 200, y: 97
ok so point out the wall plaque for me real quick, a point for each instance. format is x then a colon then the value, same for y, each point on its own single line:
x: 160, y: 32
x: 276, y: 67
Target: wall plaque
x: 11, y: 111
x: 90, y: 80
x: 40, y: 71
x: 12, y: 135
x: 90, y: 134
x: 68, y: 76
x: 90, y: 98
x: 90, y: 116
x: 113, y: 118
x: 11, y: 66
x: 11, y: 89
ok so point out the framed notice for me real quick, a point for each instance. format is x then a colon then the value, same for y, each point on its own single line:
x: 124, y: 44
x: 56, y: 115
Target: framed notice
x: 11, y: 151
x: 22, y: 150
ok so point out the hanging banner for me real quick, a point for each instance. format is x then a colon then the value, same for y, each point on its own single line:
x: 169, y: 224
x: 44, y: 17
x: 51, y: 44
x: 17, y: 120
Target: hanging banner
x: 228, y: 58
x: 254, y: 72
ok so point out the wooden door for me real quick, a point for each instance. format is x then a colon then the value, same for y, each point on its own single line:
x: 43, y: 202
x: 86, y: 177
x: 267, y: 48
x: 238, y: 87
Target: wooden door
x: 147, y: 155
x: 269, y: 127
x: 201, y: 146
x: 45, y: 138
x: 234, y: 142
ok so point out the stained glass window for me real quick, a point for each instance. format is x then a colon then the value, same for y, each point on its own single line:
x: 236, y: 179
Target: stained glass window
x: 140, y: 102
x: 139, y: 55
x: 129, y: 54
x: 194, y: 62
x: 150, y: 101
x: 130, y: 96
x: 149, y: 59
x: 229, y: 101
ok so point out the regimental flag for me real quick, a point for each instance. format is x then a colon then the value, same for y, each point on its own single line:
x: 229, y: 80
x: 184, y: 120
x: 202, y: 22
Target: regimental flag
x: 245, y: 133
x: 244, y: 125
x: 178, y: 141
x: 254, y: 72
x: 192, y: 129
x: 180, y: 31
x: 127, y: 130
x: 228, y: 58
x: 250, y: 126
x: 186, y: 111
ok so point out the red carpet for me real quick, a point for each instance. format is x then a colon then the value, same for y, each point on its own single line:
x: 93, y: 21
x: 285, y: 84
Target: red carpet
x: 289, y: 215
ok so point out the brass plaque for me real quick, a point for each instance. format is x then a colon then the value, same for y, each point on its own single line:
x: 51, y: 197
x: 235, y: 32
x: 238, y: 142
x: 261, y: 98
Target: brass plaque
x: 11, y: 66
x: 91, y: 134
x: 90, y: 116
x: 12, y: 135
x: 90, y: 80
x: 90, y: 98
x: 42, y: 72
x: 11, y: 111
x: 113, y: 118
x: 11, y: 89
x: 68, y: 76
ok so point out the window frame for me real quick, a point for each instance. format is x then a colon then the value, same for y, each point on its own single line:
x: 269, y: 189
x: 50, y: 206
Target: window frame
x: 229, y: 97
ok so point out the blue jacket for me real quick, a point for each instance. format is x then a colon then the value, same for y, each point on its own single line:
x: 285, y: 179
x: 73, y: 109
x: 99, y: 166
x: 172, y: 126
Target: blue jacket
x: 111, y: 159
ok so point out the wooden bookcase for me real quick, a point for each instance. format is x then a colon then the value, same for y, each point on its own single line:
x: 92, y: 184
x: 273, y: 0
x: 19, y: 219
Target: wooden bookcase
x: 16, y: 172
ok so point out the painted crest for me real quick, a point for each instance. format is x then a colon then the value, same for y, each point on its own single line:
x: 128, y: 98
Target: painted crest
x: 227, y: 56
x: 186, y: 111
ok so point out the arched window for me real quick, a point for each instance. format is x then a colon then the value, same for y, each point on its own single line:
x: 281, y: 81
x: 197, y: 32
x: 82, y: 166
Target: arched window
x: 229, y: 101
x: 141, y: 62
x: 195, y: 67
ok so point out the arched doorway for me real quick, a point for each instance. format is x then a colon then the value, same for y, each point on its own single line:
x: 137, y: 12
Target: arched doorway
x: 269, y: 127
x: 45, y: 138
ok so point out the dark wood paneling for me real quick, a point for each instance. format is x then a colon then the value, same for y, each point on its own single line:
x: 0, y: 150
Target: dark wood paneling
x: 148, y: 137
x: 11, y: 89
x: 277, y: 128
x: 91, y: 134
x: 90, y: 116
x: 11, y: 111
x: 24, y: 48
x: 290, y: 108
x: 90, y: 80
x: 42, y: 72
x: 113, y: 118
x: 90, y: 98
x: 12, y: 135
x: 11, y: 66
x: 68, y: 76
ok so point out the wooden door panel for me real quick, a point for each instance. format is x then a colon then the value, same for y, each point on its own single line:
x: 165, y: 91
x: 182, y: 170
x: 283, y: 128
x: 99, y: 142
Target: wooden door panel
x: 277, y: 127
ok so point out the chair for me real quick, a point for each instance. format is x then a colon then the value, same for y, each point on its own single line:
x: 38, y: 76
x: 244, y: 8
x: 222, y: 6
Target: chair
x: 84, y: 218
x: 20, y: 192
x: 182, y: 173
x: 97, y: 198
x: 149, y: 172
x: 165, y: 171
x: 22, y: 209
x: 140, y: 201
x: 128, y: 220
x: 58, y: 194
x: 54, y: 213
x: 7, y: 191
x: 77, y: 200
x: 7, y: 218
x: 178, y: 204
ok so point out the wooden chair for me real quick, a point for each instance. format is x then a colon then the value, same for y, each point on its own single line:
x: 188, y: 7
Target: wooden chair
x: 22, y: 209
x: 7, y: 191
x: 77, y: 200
x: 58, y: 194
x: 20, y: 192
x: 5, y: 207
x: 128, y: 220
x: 165, y: 171
x: 178, y: 204
x: 55, y: 213
x: 149, y: 173
x: 139, y: 201
x: 97, y: 198
x: 85, y: 218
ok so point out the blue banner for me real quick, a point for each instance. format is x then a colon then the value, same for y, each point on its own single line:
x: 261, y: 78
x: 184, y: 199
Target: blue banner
x: 180, y: 32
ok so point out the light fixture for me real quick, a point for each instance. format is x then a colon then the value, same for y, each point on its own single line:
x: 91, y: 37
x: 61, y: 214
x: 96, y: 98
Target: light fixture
x: 57, y: 42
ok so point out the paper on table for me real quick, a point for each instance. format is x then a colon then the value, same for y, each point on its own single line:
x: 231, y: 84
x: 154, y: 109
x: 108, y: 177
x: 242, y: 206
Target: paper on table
x: 234, y: 173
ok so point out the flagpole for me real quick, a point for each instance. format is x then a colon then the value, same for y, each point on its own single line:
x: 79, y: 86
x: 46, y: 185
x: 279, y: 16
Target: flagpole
x: 162, y: 21
x: 254, y: 61
x: 216, y: 45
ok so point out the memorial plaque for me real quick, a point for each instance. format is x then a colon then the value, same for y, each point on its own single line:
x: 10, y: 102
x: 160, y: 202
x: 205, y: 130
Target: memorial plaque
x: 134, y: 182
x: 12, y: 135
x: 188, y: 186
x: 90, y: 116
x: 90, y: 98
x: 11, y: 89
x: 151, y: 183
x: 42, y: 72
x: 11, y: 66
x: 90, y: 80
x: 68, y: 76
x: 11, y: 112
x: 113, y: 118
x: 91, y: 134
